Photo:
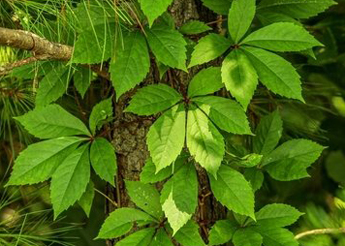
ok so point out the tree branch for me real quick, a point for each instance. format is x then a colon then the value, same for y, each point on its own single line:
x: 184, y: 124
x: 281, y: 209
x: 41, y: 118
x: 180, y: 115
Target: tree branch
x: 320, y: 232
x: 41, y: 48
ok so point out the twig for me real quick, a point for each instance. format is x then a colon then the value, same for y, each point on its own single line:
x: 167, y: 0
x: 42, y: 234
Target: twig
x: 320, y: 232
x: 41, y: 48
x: 107, y: 197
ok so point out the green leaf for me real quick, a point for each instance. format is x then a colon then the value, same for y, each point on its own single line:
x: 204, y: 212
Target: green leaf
x: 52, y: 121
x: 154, y: 9
x: 103, y: 159
x: 233, y: 191
x: 291, y: 159
x: 204, y: 141
x: 218, y: 6
x: 247, y: 237
x: 153, y: 99
x: 100, y: 112
x: 209, y: 48
x: 222, y: 232
x: 255, y: 177
x: 70, y: 180
x: 189, y: 235
x: 146, y: 197
x: 277, y: 215
x: 53, y: 85
x: 86, y: 199
x: 165, y: 138
x: 168, y: 46
x: 227, y: 114
x: 296, y: 8
x: 82, y: 80
x: 139, y: 238
x: 240, y: 17
x: 131, y: 63
x: 268, y: 17
x: 275, y: 73
x: 207, y: 81
x: 121, y: 221
x: 250, y: 160
x: 268, y: 133
x: 95, y: 44
x: 161, y: 238
x: 39, y: 161
x: 150, y: 175
x: 239, y: 77
x: 283, y: 36
x: 194, y: 27
x: 179, y: 206
x: 276, y: 236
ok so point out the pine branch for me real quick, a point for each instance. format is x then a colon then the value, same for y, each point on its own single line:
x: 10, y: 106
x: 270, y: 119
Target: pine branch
x: 320, y: 232
x: 41, y: 48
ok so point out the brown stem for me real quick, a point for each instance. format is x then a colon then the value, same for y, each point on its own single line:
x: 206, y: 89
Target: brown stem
x: 41, y: 48
x: 320, y: 232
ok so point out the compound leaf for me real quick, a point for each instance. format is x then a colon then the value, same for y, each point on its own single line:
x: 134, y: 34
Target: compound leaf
x: 138, y: 238
x: 189, y: 235
x: 153, y: 9
x: 233, y: 191
x: 52, y: 121
x: 205, y: 82
x: 100, y: 112
x: 247, y: 237
x: 70, y: 180
x: 194, y: 27
x: 153, y: 99
x: 103, y: 159
x: 86, y: 199
x: 222, y: 232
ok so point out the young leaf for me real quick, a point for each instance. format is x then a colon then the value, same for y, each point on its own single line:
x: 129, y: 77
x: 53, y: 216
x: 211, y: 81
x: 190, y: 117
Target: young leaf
x: 153, y: 99
x: 161, y: 238
x: 189, y: 235
x: 100, y: 112
x: 103, y: 159
x: 182, y: 203
x: 220, y: 6
x: 139, y: 238
x: 240, y: 17
x: 268, y: 133
x: 39, y: 161
x: 131, y: 63
x: 283, y: 36
x: 209, y: 48
x: 205, y: 82
x: 255, y: 177
x: 247, y: 237
x: 204, y: 141
x: 52, y: 121
x: 146, y: 197
x: 70, y: 180
x: 168, y: 46
x: 297, y: 8
x: 233, y: 191
x: 194, y: 27
x: 277, y: 215
x: 226, y: 114
x: 82, y: 80
x: 222, y: 232
x: 239, y: 77
x: 87, y: 198
x: 154, y: 9
x: 275, y: 73
x: 121, y: 221
x: 291, y: 159
x: 276, y: 236
x: 165, y: 138
x: 53, y: 85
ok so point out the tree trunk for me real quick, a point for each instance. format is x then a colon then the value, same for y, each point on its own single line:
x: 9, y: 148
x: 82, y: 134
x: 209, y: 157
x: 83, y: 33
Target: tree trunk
x: 129, y: 137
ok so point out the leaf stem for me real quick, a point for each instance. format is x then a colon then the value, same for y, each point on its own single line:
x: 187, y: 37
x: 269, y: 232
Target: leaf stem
x: 107, y: 197
x: 320, y: 232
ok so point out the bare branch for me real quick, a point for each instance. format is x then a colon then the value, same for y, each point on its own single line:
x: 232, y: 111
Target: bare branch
x: 320, y: 232
x: 42, y: 49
